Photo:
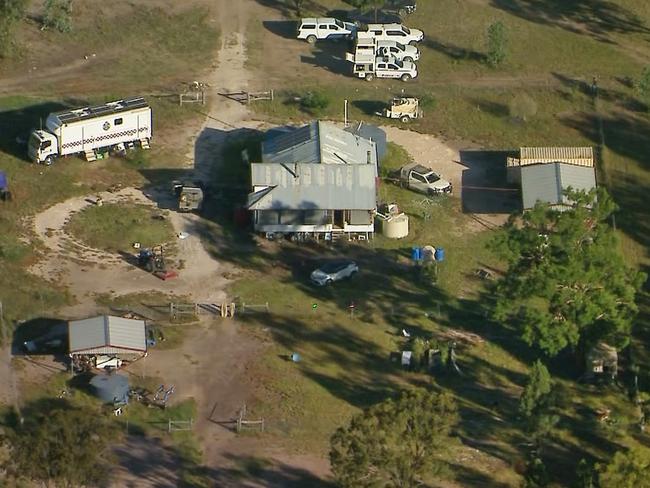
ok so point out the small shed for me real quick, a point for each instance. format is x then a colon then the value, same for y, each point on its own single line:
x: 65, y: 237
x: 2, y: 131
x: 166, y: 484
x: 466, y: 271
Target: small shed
x: 111, y: 388
x: 602, y: 361
x: 574, y: 156
x: 108, y: 336
x: 546, y: 183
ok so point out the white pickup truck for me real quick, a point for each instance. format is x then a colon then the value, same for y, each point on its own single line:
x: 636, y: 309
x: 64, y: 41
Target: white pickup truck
x: 419, y: 178
x: 367, y: 44
x: 318, y: 29
x: 396, y: 32
x: 382, y: 67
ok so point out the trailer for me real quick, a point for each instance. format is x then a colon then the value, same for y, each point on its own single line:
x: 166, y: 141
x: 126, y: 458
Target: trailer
x: 93, y: 131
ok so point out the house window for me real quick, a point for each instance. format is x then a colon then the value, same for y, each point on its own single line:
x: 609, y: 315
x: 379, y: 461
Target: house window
x: 118, y: 121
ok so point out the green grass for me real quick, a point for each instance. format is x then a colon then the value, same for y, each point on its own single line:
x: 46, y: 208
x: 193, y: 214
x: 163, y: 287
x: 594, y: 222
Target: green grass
x: 115, y: 227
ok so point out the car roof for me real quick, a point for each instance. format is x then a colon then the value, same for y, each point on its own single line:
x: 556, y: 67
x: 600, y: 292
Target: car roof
x: 319, y: 19
x: 384, y: 26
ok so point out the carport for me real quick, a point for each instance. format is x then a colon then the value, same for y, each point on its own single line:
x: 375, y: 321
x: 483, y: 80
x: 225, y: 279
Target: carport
x: 106, y: 336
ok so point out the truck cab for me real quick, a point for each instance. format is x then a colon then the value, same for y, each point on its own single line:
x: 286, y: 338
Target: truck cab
x: 419, y: 178
x: 42, y: 147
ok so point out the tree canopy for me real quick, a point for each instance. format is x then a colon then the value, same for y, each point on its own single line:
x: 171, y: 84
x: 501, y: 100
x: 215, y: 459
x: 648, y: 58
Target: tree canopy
x: 567, y: 282
x: 537, y: 389
x: 627, y: 470
x: 11, y: 11
x: 60, y: 443
x: 396, y: 443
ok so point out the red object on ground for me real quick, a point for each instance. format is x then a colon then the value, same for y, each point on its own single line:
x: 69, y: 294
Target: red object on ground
x: 167, y: 275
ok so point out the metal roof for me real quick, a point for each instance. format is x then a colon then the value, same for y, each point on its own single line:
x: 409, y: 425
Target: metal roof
x: 319, y: 142
x: 546, y: 182
x: 578, y: 156
x: 313, y: 186
x: 106, y: 334
x: 69, y: 116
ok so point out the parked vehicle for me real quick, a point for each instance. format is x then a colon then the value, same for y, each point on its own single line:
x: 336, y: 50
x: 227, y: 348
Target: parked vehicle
x: 382, y: 67
x: 367, y: 44
x: 403, y: 108
x: 318, y: 29
x: 53, y: 341
x: 334, y: 271
x: 396, y: 32
x: 92, y: 131
x: 5, y: 194
x: 403, y: 7
x: 419, y: 178
x: 189, y: 195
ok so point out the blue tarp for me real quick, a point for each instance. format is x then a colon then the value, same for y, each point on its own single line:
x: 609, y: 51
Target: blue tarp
x: 3, y: 181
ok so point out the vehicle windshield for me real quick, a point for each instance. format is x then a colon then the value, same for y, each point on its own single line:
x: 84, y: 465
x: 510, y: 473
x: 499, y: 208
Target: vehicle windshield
x: 406, y: 29
x: 432, y: 177
x: 399, y: 63
x: 400, y: 46
x: 332, y: 267
x: 339, y: 23
x: 33, y: 142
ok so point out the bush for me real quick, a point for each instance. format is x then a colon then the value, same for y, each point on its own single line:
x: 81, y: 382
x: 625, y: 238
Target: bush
x: 523, y: 107
x: 58, y: 15
x: 315, y: 101
x: 496, y: 44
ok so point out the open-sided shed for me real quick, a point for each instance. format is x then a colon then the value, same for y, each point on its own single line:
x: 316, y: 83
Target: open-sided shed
x: 109, y: 336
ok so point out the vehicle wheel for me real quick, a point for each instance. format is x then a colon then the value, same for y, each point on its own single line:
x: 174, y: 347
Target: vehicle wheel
x: 413, y: 43
x: 329, y: 282
x: 353, y: 274
x: 149, y: 266
x: 402, y: 184
x: 311, y: 39
x: 406, y: 77
x: 408, y: 59
x: 405, y: 119
x: 48, y: 161
x: 369, y: 77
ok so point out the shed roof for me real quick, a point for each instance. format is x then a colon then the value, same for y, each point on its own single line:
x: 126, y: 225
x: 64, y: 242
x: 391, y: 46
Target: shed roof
x: 106, y: 334
x: 313, y: 186
x: 578, y: 156
x: 319, y: 142
x: 547, y: 182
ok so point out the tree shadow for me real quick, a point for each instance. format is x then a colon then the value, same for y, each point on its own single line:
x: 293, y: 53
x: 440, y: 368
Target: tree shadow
x: 283, y: 28
x: 485, y: 189
x: 16, y: 125
x: 597, y: 18
x: 617, y: 97
x: 454, y: 52
x: 330, y: 56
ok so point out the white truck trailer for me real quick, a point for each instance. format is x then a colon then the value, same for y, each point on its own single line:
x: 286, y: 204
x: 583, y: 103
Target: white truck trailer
x: 89, y: 131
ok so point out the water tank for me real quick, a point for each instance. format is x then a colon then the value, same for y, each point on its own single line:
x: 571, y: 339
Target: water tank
x: 111, y: 388
x: 439, y: 254
x: 397, y: 227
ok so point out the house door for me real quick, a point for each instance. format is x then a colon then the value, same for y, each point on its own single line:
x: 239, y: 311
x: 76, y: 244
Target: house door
x: 338, y: 219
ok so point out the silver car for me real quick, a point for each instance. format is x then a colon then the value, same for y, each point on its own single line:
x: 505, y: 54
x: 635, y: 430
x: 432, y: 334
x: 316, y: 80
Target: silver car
x: 334, y: 271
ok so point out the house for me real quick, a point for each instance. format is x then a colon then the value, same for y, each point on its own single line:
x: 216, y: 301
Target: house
x: 544, y: 173
x: 107, y: 336
x: 315, y: 180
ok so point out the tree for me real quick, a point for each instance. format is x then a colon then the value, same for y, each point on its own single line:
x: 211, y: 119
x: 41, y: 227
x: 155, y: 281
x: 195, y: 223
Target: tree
x: 60, y: 443
x: 643, y: 86
x: 497, y: 43
x: 627, y: 470
x: 536, y: 391
x: 567, y: 283
x: 396, y: 443
x: 373, y: 5
x: 11, y: 12
x: 58, y: 15
x: 585, y: 474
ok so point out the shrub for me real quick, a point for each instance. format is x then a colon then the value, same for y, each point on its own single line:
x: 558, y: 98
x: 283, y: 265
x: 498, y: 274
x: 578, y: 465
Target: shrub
x: 315, y: 101
x: 58, y: 15
x: 496, y: 44
x: 523, y: 107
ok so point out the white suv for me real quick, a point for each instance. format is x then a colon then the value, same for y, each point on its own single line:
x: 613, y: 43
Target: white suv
x: 312, y: 29
x: 396, y: 32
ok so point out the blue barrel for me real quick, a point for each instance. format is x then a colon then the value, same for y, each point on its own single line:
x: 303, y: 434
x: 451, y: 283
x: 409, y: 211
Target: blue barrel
x: 416, y: 253
x: 295, y: 357
x: 3, y: 181
x: 439, y: 255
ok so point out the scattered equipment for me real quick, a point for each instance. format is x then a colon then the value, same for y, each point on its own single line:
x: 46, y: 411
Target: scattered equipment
x: 93, y: 131
x: 5, y: 194
x: 403, y: 108
x: 188, y: 195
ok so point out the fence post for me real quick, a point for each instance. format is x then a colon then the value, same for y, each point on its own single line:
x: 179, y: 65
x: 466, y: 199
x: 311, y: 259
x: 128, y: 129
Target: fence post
x: 271, y: 94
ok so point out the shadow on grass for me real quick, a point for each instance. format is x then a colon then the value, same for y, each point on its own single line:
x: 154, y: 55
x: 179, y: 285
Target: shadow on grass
x: 597, y: 18
x: 330, y: 56
x: 283, y: 28
x: 454, y: 52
